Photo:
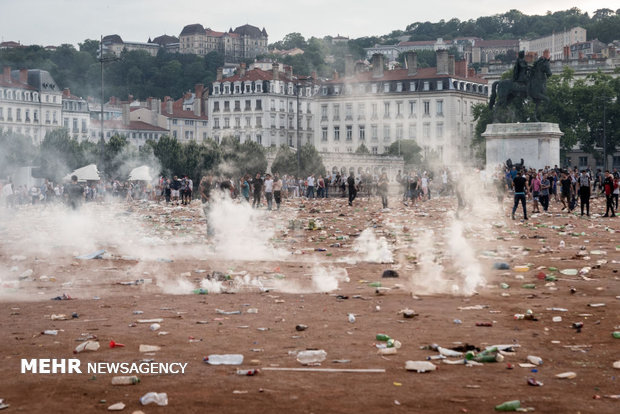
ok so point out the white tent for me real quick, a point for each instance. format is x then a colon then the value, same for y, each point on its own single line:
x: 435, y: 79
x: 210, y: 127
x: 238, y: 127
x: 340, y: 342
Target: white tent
x: 142, y: 173
x: 87, y: 173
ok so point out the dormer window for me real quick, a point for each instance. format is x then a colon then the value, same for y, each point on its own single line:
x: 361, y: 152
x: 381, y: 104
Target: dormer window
x: 216, y: 89
x: 259, y: 87
x: 226, y: 89
x: 386, y: 87
x: 248, y: 88
x: 399, y: 87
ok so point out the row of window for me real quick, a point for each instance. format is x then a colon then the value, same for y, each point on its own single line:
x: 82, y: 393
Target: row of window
x: 411, y: 86
x: 258, y: 106
x: 274, y: 87
x: 75, y: 125
x: 50, y: 116
x: 399, y: 109
x: 189, y: 122
x: 387, y: 132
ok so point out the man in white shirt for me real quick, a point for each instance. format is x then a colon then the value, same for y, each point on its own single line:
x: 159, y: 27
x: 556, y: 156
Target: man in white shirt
x: 269, y: 191
x: 310, y: 192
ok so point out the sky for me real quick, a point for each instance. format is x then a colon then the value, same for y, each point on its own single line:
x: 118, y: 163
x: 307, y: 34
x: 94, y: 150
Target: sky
x: 54, y: 22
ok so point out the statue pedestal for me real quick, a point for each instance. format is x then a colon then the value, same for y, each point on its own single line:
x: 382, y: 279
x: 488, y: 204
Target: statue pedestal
x: 538, y: 143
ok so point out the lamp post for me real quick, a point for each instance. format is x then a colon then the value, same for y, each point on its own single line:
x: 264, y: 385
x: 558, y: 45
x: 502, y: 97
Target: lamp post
x: 103, y: 59
x: 298, y: 84
x: 604, y: 98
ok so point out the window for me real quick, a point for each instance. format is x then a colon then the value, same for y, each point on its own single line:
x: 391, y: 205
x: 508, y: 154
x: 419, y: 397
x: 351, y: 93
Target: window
x: 336, y: 133
x: 412, y: 131
x: 336, y: 112
x: 216, y: 106
x: 237, y: 88
x: 375, y: 150
x: 272, y: 104
x: 412, y: 86
x: 426, y: 130
x: 399, y: 131
x: 226, y: 122
x: 399, y: 87
x: 174, y: 134
x: 259, y: 138
x: 427, y: 108
x: 1, y: 114
x: 237, y: 122
x: 362, y: 133
x: 349, y: 132
x: 399, y: 109
x: 55, y: 117
x: 374, y: 132
x: 583, y: 161
x: 248, y: 88
x: 374, y: 111
x: 427, y: 86
x: 259, y: 87
x: 324, y: 90
x: 361, y: 111
x: 248, y: 122
x: 386, y: 132
x: 386, y: 87
x: 336, y: 90
x: 439, y: 104
x: 226, y: 89
x: 259, y: 105
x: 75, y: 125
x: 440, y: 130
x: 412, y: 109
x: 18, y: 114
x: 273, y: 121
x: 323, y: 112
x: 324, y: 134
x: 65, y: 123
x: 349, y: 149
x: 259, y: 122
x: 373, y: 88
x: 226, y: 106
x: 35, y: 115
x: 237, y: 106
x: 386, y: 109
x: 248, y: 105
x: 348, y: 108
x: 439, y: 85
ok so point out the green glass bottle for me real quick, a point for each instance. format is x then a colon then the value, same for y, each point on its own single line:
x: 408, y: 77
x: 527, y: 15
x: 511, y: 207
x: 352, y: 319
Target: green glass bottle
x: 508, y: 406
x: 383, y: 337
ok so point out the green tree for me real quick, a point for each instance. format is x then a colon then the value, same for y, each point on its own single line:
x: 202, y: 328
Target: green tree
x: 311, y: 161
x: 15, y: 151
x: 59, y: 154
x: 362, y: 149
x: 408, y: 149
x: 285, y: 161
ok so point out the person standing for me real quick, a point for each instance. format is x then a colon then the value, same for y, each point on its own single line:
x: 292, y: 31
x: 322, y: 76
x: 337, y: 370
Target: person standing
x: 383, y: 189
x: 310, y: 191
x: 545, y: 185
x: 277, y: 190
x: 616, y: 189
x: 608, y: 189
x: 257, y: 184
x: 269, y: 191
x: 245, y: 188
x: 565, y: 191
x: 519, y: 184
x: 175, y: 187
x: 204, y: 188
x: 583, y: 187
x: 75, y: 192
x: 352, y: 188
x: 535, y: 186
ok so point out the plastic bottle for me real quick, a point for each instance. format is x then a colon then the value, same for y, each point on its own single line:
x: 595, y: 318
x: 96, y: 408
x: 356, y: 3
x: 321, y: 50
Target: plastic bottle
x: 449, y: 352
x: 86, y: 346
x: 535, y: 360
x: 504, y: 285
x: 420, y: 366
x: 131, y: 380
x: 393, y: 343
x: 311, y: 357
x: 160, y: 399
x: 50, y: 332
x: 351, y: 318
x: 225, y: 359
x: 375, y: 284
x: 247, y: 372
x: 562, y: 244
x: 200, y: 291
x: 616, y: 334
x: 508, y: 406
x: 149, y: 348
x: 382, y: 337
x: 387, y: 351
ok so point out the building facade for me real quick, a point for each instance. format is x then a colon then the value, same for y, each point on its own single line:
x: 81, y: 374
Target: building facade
x: 75, y: 116
x: 433, y: 106
x: 262, y: 106
x: 245, y: 42
x: 30, y: 103
x: 113, y: 44
x: 558, y: 44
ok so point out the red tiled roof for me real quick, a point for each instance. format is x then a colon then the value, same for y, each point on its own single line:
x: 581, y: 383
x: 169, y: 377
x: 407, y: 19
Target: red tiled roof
x: 15, y: 84
x: 178, y: 112
x: 213, y: 33
x: 133, y: 126
x: 422, y: 43
x: 10, y: 44
x: 401, y: 74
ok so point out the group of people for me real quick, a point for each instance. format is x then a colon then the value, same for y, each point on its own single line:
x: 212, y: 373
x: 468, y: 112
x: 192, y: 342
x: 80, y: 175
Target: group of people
x: 544, y: 184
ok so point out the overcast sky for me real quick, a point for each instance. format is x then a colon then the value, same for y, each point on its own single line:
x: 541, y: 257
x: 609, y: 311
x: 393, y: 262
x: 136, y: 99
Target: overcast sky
x: 52, y: 22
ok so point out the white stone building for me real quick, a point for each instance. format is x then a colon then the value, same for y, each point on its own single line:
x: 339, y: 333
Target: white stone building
x: 75, y: 116
x: 558, y: 44
x: 432, y: 106
x: 30, y: 103
x: 262, y: 106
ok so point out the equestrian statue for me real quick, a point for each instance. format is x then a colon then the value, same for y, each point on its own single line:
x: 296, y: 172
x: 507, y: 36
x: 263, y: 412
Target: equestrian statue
x: 528, y: 82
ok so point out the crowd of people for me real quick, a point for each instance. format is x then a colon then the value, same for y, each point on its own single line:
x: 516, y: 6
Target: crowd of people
x: 544, y: 185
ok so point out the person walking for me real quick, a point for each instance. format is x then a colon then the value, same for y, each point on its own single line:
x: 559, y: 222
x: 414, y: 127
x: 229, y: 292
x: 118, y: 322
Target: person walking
x: 352, y: 188
x: 269, y: 191
x: 245, y: 187
x: 257, y: 184
x: 383, y: 189
x: 310, y: 191
x: 608, y: 189
x: 583, y: 188
x: 545, y: 186
x: 277, y: 191
x: 519, y: 184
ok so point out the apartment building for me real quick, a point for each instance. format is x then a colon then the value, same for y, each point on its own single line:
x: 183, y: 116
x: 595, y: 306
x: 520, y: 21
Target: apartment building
x: 75, y: 116
x: 114, y: 44
x: 262, y: 106
x: 245, y: 42
x: 433, y: 106
x: 558, y: 44
x: 30, y: 103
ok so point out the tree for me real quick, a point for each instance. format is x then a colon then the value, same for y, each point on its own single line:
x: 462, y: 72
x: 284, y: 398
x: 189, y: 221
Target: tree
x: 59, y: 154
x: 408, y: 149
x: 362, y: 149
x: 285, y: 161
x: 15, y: 151
x: 311, y: 161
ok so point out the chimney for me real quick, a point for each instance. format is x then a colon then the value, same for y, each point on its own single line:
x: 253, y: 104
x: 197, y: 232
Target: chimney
x: 23, y: 76
x: 442, y: 62
x: 242, y: 69
x: 219, y: 76
x: 289, y: 71
x: 125, y: 114
x: 149, y: 103
x: 411, y: 59
x: 198, y: 98
x: 313, y: 75
x: 335, y: 77
x: 460, y: 68
x: 66, y: 93
x: 157, y: 106
x: 7, y: 74
x: 377, y: 65
x: 275, y: 72
x: 130, y: 98
x: 348, y: 65
x: 451, y: 65
x: 471, y: 72
x: 112, y: 100
x: 169, y: 103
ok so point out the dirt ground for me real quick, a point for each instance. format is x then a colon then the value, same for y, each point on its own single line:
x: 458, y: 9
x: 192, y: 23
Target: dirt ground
x: 106, y: 310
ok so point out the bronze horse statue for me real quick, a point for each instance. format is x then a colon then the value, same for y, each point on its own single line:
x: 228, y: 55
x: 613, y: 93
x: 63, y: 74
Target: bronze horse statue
x: 504, y: 91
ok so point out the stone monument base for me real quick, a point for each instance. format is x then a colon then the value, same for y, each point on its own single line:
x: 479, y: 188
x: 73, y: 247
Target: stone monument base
x: 538, y: 143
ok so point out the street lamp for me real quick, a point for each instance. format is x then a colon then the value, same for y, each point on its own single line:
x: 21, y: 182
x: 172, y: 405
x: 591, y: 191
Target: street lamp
x: 103, y: 59
x: 298, y: 136
x: 604, y: 98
